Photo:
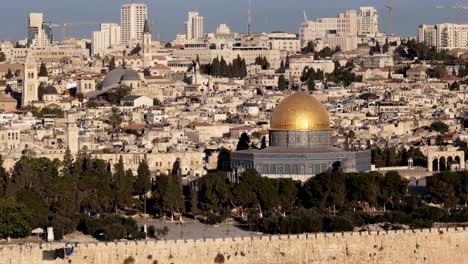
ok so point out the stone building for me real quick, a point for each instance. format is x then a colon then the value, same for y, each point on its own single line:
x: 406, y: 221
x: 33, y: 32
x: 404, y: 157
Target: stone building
x: 300, y: 144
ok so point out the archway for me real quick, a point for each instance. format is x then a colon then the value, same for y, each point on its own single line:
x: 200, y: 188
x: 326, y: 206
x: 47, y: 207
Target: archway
x: 443, y: 164
x: 435, y: 165
x: 449, y: 163
x: 457, y: 159
x: 176, y: 168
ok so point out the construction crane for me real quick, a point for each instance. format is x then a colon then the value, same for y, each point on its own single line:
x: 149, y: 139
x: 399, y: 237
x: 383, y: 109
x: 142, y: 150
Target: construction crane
x: 389, y: 7
x: 249, y: 22
x: 63, y: 26
x: 460, y: 11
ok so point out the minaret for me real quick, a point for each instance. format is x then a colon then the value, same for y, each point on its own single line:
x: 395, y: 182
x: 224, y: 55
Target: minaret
x: 147, y: 38
x: 31, y: 82
x: 72, y: 134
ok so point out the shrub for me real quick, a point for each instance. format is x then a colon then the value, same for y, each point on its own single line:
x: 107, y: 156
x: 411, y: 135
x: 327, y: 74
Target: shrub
x: 151, y: 231
x: 214, y: 219
x: 114, y: 231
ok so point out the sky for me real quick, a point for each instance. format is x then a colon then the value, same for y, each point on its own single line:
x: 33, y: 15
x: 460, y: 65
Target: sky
x: 167, y: 16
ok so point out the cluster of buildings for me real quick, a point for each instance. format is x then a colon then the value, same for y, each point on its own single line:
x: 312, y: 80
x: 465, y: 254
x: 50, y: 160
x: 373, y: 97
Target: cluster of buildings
x: 444, y: 36
x: 343, y: 30
x: 179, y: 118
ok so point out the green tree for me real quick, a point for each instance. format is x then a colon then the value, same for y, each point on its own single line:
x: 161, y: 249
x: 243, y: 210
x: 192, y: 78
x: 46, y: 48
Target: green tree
x: 115, y: 119
x: 112, y: 64
x: 14, y: 220
x: 2, y: 56
x: 310, y: 84
x: 136, y: 50
x: 169, y: 196
x: 282, y: 83
x: 9, y: 74
x: 143, y: 181
x: 67, y: 163
x: 43, y: 70
x: 116, y: 95
x: 439, y: 71
x: 310, y: 47
x: 263, y: 62
x: 439, y: 126
x: 393, y: 189
x: 214, y: 193
x: 244, y: 142
x: 263, y: 145
x: 282, y: 68
x: 122, y: 183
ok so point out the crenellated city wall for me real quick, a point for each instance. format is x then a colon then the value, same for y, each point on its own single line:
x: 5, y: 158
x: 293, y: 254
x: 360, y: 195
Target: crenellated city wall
x: 436, y: 246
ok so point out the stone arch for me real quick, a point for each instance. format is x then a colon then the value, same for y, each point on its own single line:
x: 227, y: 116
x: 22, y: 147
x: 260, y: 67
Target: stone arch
x: 435, y: 164
x: 449, y: 162
x: 442, y: 164
x: 176, y: 167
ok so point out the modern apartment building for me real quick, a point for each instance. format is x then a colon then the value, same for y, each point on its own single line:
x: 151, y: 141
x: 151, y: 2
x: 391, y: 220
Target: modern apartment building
x: 109, y: 36
x: 444, y: 36
x: 428, y: 35
x: 194, y: 26
x: 39, y: 33
x: 368, y: 21
x: 132, y: 21
x: 350, y: 23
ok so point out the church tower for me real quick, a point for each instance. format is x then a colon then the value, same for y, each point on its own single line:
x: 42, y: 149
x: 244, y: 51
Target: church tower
x: 31, y: 81
x: 147, y: 39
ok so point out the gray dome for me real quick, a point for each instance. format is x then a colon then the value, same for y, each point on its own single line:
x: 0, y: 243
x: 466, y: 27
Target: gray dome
x: 49, y: 89
x: 130, y: 75
x: 117, y: 75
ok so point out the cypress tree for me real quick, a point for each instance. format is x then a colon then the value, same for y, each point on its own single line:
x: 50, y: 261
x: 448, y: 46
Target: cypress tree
x: 282, y: 84
x: 43, y: 70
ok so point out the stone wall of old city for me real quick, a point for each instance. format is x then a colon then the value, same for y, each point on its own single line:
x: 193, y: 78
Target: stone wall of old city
x: 410, y: 246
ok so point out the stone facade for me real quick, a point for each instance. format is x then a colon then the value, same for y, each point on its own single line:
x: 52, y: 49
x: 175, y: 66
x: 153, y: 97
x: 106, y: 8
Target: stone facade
x: 300, y: 138
x: 438, y: 246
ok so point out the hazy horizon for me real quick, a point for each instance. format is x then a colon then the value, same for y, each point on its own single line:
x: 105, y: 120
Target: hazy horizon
x: 167, y: 16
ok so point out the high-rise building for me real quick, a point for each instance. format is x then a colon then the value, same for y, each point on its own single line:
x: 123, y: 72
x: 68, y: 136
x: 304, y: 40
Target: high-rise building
x: 109, y: 36
x: 132, y: 21
x: 427, y: 34
x: 368, y: 22
x: 194, y: 26
x: 350, y: 23
x: 344, y: 24
x: 444, y: 36
x: 39, y: 33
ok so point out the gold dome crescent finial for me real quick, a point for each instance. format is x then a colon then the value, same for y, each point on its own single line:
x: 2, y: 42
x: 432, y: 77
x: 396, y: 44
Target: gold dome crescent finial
x: 300, y: 112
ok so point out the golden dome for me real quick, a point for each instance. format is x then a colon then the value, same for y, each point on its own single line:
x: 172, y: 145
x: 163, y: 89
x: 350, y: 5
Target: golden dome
x: 300, y: 112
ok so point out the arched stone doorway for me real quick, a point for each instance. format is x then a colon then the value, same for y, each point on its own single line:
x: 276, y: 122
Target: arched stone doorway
x: 449, y: 162
x: 443, y: 164
x: 435, y: 165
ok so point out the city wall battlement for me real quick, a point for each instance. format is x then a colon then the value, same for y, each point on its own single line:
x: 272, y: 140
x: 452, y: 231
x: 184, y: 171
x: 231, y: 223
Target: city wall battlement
x: 447, y: 245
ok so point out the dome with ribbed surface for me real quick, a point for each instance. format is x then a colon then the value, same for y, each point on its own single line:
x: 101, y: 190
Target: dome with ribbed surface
x: 300, y: 112
x: 116, y: 76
